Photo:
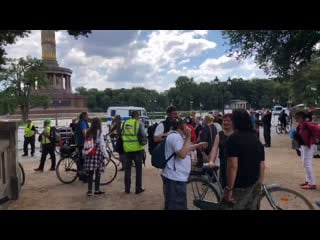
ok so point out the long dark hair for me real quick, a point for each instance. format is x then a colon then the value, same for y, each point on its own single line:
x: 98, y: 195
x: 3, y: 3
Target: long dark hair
x: 241, y: 120
x: 95, y: 126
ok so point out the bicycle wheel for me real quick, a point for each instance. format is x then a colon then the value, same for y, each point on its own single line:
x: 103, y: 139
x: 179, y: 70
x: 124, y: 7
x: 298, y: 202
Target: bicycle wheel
x: 199, y: 189
x: 285, y: 199
x: 110, y: 172
x: 278, y: 129
x: 288, y: 128
x: 22, y: 174
x: 66, y: 170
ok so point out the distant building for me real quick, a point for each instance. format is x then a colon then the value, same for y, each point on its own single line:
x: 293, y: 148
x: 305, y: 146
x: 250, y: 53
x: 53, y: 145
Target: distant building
x: 236, y: 104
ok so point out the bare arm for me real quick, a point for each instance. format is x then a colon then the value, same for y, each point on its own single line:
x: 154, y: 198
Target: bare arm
x: 160, y: 137
x: 214, y: 150
x: 186, y: 146
x: 262, y: 170
x: 232, y: 168
x: 84, y: 132
x: 198, y: 145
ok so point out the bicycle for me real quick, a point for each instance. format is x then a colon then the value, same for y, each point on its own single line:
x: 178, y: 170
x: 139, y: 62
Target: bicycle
x: 21, y: 174
x: 67, y: 167
x: 205, y: 192
x: 280, y: 128
x: 111, y: 153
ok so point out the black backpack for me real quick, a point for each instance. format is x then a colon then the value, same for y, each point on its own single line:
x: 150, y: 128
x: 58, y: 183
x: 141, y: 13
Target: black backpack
x: 151, y: 129
x: 54, y: 136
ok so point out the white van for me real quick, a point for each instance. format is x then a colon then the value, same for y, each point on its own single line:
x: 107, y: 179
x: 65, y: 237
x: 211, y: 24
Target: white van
x: 125, y: 113
x: 276, y: 110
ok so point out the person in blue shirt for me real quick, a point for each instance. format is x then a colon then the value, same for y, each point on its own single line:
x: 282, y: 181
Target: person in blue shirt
x: 80, y: 136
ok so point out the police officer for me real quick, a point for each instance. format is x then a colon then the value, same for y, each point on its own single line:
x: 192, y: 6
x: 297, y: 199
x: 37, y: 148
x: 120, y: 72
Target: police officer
x: 47, y: 147
x: 133, y: 131
x: 29, y: 138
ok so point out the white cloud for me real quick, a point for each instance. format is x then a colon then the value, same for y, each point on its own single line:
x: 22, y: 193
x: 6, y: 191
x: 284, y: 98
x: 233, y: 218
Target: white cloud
x: 150, y: 59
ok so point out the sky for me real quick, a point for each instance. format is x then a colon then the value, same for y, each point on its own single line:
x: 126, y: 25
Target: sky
x: 152, y: 59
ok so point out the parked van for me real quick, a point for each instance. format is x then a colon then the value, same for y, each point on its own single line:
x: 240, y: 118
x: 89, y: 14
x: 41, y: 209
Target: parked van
x: 276, y: 110
x: 125, y: 114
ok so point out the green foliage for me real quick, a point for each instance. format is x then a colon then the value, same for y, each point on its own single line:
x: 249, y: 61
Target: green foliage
x: 280, y: 53
x: 18, y: 80
x: 258, y: 92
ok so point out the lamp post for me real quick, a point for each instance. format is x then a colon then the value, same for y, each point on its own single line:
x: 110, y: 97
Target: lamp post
x: 314, y: 89
x: 221, y: 85
x: 191, y: 103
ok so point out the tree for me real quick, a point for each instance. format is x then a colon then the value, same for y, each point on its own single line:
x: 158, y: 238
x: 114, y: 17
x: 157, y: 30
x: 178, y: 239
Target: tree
x: 19, y: 79
x: 281, y: 53
x: 8, y: 37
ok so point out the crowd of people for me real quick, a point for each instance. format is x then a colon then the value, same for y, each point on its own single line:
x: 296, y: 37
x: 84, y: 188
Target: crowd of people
x: 230, y: 141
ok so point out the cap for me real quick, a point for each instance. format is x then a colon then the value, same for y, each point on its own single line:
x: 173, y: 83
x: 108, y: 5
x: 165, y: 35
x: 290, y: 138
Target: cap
x: 48, y: 120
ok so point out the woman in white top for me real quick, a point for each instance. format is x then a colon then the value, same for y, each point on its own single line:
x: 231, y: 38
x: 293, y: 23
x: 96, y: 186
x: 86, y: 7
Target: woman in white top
x: 93, y: 162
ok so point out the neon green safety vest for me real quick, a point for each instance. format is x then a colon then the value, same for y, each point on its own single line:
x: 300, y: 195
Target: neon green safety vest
x: 46, y: 140
x: 130, y: 136
x: 28, y: 132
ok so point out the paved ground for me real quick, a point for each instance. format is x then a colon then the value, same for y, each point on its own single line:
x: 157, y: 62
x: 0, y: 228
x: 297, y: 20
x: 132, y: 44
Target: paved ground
x: 45, y: 191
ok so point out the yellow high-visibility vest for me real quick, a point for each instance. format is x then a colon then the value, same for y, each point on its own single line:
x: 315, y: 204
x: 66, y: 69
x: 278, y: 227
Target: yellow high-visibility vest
x: 130, y: 136
x: 28, y: 132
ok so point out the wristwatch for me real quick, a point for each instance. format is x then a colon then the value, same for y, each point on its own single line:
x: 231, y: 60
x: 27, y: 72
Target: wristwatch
x: 227, y: 188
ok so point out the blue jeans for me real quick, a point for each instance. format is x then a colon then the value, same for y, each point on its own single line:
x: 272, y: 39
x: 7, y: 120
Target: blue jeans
x: 175, y: 194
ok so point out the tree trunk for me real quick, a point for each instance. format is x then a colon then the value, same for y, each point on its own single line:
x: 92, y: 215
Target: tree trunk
x: 24, y: 113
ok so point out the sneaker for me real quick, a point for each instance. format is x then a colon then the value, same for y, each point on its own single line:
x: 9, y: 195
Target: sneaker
x: 99, y: 192
x: 316, y: 156
x: 52, y: 169
x: 89, y: 193
x: 24, y: 155
x: 38, y: 170
x: 303, y: 184
x: 309, y: 187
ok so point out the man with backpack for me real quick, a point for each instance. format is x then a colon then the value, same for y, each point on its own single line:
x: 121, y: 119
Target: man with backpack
x: 48, y: 145
x: 177, y: 169
x: 157, y: 132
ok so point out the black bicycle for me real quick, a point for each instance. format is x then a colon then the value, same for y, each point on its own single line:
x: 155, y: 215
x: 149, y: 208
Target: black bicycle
x: 67, y: 170
x: 205, y: 192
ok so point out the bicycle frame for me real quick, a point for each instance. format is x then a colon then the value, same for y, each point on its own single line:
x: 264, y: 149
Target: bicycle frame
x: 265, y: 189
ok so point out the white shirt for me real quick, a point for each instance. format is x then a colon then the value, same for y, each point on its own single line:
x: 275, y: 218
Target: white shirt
x: 100, y: 141
x: 159, y: 130
x: 174, y: 143
x: 218, y: 127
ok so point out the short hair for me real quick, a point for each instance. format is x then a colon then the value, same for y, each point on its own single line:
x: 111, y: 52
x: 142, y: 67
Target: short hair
x: 209, y: 118
x: 135, y: 114
x: 171, y: 109
x: 176, y: 123
x: 241, y: 120
x: 82, y: 115
x: 301, y: 114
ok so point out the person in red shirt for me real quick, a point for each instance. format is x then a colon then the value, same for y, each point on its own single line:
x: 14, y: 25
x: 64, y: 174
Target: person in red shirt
x: 188, y: 120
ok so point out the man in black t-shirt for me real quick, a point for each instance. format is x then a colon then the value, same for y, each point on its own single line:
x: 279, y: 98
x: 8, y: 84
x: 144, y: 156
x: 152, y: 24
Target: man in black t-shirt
x: 245, y: 166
